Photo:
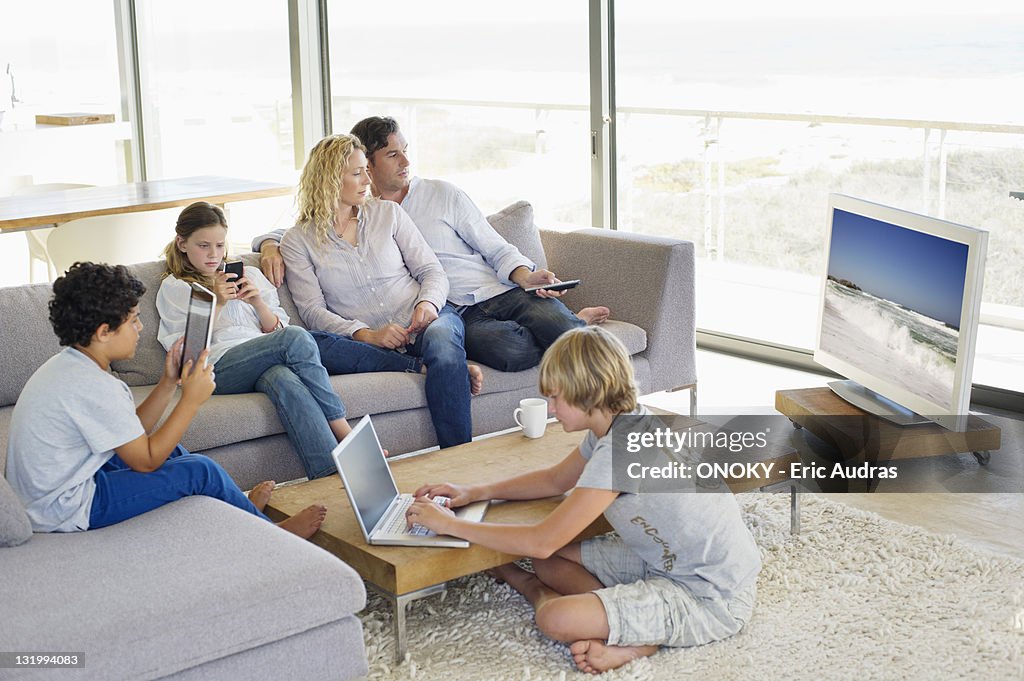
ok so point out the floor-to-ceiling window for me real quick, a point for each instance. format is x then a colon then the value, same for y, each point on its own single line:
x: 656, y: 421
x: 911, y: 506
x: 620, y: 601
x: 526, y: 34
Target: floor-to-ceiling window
x: 216, y: 97
x: 736, y: 120
x: 59, y: 57
x: 216, y: 88
x: 491, y: 97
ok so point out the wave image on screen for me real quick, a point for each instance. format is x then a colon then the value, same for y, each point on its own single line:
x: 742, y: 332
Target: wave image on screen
x: 892, y: 304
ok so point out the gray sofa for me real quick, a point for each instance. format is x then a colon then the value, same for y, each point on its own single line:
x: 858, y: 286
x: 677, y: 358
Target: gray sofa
x: 199, y: 590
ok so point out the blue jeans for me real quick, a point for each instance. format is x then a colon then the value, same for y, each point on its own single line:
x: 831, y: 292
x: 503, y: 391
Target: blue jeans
x: 511, y: 331
x: 442, y: 347
x: 122, y: 493
x: 344, y: 355
x: 285, y: 366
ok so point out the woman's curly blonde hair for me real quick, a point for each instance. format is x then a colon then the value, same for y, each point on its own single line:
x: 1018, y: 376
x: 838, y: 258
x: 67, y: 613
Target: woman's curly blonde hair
x: 320, y: 184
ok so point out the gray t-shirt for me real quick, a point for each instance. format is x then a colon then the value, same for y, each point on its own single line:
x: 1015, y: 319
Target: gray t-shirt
x: 69, y: 418
x: 696, y: 539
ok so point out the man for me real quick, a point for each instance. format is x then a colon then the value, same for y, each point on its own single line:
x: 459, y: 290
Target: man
x: 506, y: 327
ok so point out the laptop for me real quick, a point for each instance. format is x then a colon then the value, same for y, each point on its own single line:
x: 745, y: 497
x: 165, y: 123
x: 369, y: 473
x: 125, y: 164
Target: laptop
x: 198, y: 324
x: 375, y: 499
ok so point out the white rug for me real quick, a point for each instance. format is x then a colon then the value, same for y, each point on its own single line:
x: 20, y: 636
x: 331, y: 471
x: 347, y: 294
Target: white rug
x: 855, y: 597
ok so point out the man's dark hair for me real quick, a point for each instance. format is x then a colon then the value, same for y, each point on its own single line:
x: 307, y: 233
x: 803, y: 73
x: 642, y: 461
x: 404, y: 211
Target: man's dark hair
x: 373, y: 132
x: 91, y: 295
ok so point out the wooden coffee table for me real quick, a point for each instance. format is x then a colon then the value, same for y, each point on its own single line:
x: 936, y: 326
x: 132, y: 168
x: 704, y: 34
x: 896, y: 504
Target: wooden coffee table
x: 404, y: 574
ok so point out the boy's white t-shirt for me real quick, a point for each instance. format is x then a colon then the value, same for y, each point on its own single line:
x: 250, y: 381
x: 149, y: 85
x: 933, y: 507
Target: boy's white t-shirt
x: 68, y: 420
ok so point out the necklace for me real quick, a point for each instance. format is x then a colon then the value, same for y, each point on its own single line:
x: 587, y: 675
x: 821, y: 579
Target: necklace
x: 349, y: 232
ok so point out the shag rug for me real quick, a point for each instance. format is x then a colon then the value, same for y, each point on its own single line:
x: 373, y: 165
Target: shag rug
x: 855, y: 597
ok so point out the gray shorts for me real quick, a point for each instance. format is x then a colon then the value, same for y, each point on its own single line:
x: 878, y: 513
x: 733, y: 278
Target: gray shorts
x: 648, y: 609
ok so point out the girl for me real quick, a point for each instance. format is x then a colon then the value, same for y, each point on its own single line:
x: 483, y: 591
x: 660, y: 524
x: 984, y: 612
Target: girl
x: 681, y: 571
x: 253, y: 348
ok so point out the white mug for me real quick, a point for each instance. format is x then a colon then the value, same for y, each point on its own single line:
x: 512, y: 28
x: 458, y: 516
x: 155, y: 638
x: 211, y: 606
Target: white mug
x: 534, y: 413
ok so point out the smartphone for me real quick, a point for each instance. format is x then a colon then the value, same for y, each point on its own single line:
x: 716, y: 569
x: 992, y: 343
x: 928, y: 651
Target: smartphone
x: 236, y: 267
x: 560, y: 286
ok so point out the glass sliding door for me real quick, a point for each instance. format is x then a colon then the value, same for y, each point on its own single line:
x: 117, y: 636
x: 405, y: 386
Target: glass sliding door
x: 491, y: 97
x: 57, y: 58
x: 216, y: 95
x: 735, y: 122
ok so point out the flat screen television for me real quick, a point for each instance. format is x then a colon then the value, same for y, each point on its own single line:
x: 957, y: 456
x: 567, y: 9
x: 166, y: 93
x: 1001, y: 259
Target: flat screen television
x: 899, y: 311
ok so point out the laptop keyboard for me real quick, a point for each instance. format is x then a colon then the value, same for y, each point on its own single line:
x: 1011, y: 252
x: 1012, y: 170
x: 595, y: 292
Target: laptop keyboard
x: 395, y: 523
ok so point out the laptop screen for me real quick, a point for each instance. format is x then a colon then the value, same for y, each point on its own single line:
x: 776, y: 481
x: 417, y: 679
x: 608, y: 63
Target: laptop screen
x: 365, y: 472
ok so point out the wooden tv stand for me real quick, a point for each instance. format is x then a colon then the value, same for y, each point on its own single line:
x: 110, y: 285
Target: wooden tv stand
x: 861, y: 436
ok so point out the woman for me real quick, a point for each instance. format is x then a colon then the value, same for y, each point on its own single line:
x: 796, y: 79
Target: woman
x: 253, y: 348
x: 359, y: 268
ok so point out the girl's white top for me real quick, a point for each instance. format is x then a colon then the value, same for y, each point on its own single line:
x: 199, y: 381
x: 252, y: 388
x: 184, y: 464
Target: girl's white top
x: 236, y: 322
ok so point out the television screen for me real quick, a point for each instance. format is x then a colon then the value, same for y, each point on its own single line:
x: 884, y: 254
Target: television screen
x: 900, y: 304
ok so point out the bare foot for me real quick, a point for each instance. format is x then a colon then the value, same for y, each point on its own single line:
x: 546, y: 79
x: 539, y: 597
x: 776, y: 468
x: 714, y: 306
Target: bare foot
x: 476, y: 379
x: 597, y: 657
x: 260, y: 494
x: 306, y: 522
x: 594, y: 315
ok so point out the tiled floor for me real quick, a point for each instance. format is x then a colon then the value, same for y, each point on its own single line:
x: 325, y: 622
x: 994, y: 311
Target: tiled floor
x: 990, y: 516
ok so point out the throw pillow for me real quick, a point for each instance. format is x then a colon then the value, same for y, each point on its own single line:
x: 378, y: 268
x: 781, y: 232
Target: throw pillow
x: 515, y: 225
x: 147, y: 366
x: 15, y: 527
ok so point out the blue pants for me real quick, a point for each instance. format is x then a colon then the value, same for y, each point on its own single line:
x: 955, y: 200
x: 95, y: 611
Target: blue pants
x: 122, y: 493
x: 442, y: 347
x: 344, y: 355
x: 511, y: 331
x: 285, y: 366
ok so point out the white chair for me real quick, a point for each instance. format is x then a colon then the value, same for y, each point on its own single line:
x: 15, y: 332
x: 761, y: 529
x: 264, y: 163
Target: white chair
x: 121, y: 239
x: 37, y: 237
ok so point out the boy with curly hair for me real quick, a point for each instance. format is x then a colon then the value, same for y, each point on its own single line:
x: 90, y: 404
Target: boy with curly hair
x: 80, y: 454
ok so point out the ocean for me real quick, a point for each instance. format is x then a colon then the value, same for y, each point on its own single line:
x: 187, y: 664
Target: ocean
x: 884, y: 339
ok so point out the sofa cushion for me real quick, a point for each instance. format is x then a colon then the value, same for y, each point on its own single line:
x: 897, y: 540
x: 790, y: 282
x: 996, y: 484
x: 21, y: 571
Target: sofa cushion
x: 15, y: 527
x: 26, y: 337
x: 146, y: 367
x: 193, y: 581
x: 227, y: 419
x: 631, y: 335
x: 515, y: 225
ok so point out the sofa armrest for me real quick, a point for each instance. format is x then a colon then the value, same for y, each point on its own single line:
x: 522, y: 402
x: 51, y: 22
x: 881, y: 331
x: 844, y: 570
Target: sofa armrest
x: 644, y: 280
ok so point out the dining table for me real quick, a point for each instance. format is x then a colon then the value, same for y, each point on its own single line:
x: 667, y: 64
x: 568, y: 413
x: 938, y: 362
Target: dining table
x: 38, y: 211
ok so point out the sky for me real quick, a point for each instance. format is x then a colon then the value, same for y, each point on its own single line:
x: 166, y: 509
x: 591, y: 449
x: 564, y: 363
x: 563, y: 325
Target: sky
x: 922, y: 272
